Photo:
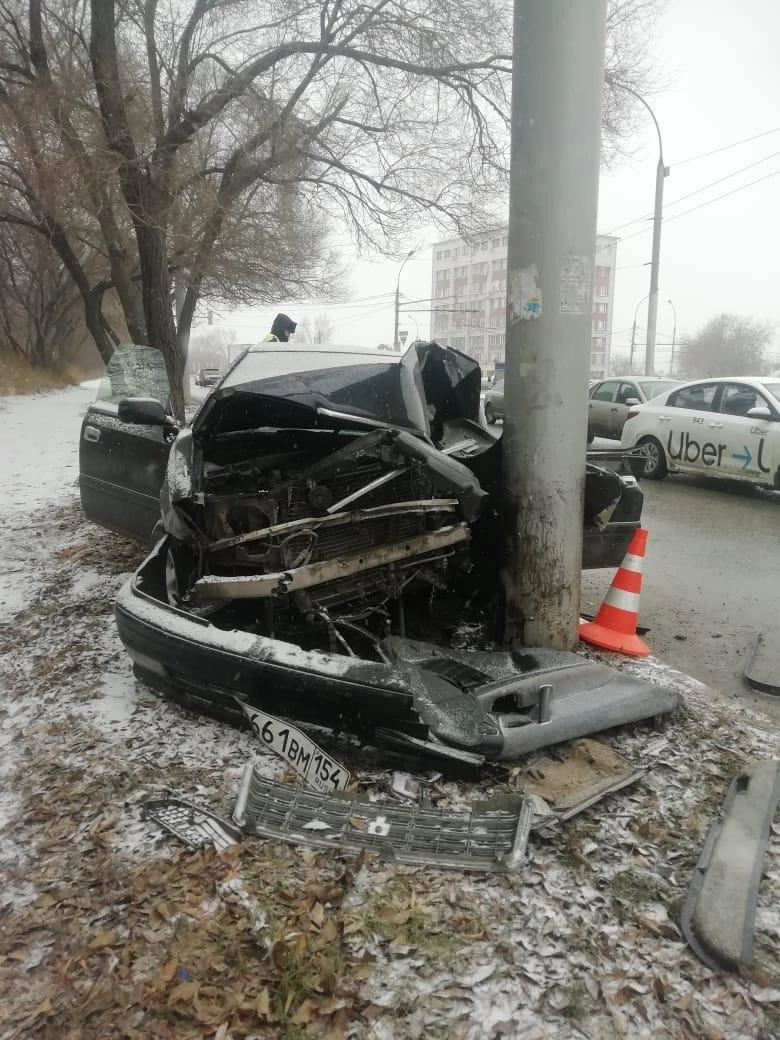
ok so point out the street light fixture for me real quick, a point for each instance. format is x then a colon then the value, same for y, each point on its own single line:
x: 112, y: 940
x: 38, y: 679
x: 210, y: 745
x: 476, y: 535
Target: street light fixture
x: 661, y: 173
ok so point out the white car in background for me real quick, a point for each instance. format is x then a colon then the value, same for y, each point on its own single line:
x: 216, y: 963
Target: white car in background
x: 726, y: 427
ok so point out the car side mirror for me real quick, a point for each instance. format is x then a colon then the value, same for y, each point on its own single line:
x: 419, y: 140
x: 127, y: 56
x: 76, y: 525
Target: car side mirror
x: 632, y: 400
x: 759, y: 412
x: 144, y: 411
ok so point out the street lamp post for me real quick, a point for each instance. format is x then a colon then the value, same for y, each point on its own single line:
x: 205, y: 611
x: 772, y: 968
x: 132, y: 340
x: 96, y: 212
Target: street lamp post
x: 633, y: 334
x: 674, y: 337
x: 661, y: 173
x: 396, y: 343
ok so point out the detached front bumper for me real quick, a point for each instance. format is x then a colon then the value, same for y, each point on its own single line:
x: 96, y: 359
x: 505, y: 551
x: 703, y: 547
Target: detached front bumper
x: 445, y: 705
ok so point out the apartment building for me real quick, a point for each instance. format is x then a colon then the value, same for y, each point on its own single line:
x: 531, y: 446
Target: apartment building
x: 468, y: 292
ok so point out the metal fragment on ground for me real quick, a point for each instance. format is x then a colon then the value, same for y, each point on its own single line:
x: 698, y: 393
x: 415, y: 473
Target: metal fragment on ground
x: 589, y: 771
x: 191, y: 824
x: 492, y: 837
x: 762, y: 666
x: 719, y: 911
x: 405, y: 786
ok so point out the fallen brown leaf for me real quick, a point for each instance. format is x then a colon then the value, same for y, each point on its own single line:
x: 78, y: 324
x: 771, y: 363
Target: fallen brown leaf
x: 183, y: 992
x: 169, y: 970
x: 102, y: 940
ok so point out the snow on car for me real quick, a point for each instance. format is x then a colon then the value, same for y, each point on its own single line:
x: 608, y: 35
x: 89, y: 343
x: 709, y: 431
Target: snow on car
x: 724, y: 427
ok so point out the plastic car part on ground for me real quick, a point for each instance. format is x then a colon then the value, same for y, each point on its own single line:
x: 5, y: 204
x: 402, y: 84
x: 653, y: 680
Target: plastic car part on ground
x: 719, y: 910
x: 588, y: 772
x: 492, y: 837
x: 762, y: 667
x: 190, y: 823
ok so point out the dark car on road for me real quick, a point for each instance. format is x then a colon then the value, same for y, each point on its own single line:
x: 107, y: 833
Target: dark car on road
x: 328, y: 543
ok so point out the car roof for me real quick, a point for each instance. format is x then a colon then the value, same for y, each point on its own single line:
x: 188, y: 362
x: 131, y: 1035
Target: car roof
x: 366, y: 355
x: 759, y: 382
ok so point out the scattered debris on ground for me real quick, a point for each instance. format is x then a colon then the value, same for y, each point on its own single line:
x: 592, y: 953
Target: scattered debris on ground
x: 718, y: 915
x: 110, y: 929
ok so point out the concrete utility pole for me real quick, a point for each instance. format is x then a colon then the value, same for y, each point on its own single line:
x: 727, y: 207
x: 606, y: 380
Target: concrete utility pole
x: 558, y: 59
x: 661, y: 172
x: 674, y: 337
x: 396, y: 341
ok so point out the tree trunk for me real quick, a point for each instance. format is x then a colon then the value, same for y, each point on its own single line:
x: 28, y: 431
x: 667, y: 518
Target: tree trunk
x: 156, y: 283
x: 182, y: 329
x: 93, y: 316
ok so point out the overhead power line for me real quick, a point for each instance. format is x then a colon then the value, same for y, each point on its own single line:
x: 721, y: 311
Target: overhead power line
x: 697, y: 191
x: 709, y: 202
x: 726, y: 147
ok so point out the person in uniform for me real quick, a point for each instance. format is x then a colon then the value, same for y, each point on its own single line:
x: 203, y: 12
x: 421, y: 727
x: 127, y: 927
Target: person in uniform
x: 281, y: 330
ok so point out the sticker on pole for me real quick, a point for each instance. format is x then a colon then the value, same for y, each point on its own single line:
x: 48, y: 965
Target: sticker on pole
x: 309, y: 761
x: 525, y: 296
x: 576, y: 284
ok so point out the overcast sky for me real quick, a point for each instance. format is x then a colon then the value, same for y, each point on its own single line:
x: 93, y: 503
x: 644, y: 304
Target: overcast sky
x: 721, y: 61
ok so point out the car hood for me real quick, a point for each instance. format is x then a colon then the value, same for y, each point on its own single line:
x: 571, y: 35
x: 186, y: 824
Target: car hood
x: 330, y: 388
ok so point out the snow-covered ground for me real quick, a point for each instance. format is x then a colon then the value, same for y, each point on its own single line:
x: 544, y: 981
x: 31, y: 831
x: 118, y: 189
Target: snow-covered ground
x: 111, y: 930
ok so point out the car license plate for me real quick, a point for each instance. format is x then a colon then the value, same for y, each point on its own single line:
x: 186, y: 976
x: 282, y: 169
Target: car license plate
x: 314, y: 765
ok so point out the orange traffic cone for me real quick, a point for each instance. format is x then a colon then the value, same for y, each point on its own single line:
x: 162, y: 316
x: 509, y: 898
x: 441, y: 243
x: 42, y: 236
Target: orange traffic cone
x: 615, y: 624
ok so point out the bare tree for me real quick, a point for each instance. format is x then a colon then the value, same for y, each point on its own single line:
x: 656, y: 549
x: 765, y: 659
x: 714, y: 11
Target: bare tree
x: 728, y: 345
x: 622, y: 365
x: 314, y: 329
x: 630, y: 69
x: 197, y: 134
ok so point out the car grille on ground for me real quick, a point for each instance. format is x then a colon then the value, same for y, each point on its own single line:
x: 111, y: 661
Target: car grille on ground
x: 493, y: 836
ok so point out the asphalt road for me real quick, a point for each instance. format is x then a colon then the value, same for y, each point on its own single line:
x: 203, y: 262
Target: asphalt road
x: 711, y: 580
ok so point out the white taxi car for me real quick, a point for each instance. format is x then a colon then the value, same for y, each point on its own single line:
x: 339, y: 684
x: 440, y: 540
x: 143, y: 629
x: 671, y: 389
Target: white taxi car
x: 726, y: 427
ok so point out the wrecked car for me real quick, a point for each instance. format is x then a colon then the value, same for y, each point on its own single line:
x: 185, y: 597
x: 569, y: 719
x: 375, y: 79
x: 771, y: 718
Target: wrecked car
x: 330, y: 550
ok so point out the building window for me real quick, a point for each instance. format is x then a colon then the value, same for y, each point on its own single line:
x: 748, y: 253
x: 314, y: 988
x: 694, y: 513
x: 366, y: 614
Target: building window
x: 602, y: 273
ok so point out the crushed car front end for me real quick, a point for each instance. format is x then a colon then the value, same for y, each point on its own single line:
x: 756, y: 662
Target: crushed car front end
x: 332, y: 554
x: 454, y: 708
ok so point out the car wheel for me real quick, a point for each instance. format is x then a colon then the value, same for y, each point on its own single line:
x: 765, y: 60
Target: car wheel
x: 655, y: 460
x: 489, y: 414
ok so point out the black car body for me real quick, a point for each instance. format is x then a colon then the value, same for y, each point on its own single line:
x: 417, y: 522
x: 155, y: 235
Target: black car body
x: 332, y: 536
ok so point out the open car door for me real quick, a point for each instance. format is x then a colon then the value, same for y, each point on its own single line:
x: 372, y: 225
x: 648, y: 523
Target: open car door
x: 122, y: 464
